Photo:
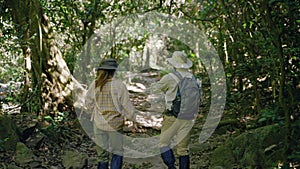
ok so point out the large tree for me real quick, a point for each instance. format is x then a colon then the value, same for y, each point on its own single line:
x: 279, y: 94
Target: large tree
x: 50, y: 78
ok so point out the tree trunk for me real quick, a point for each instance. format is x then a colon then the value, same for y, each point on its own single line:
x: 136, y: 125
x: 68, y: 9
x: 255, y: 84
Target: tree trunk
x: 276, y: 33
x: 50, y: 76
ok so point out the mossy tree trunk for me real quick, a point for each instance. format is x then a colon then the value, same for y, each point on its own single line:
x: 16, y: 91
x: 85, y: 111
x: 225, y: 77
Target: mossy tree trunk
x: 49, y: 74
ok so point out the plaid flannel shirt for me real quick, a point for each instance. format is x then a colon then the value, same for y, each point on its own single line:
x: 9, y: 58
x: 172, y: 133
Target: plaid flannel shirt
x: 110, y: 105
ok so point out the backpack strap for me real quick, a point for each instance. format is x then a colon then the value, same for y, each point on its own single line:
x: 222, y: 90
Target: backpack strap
x: 175, y: 77
x: 178, y: 74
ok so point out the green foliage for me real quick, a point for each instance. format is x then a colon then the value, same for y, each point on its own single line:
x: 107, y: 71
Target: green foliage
x: 2, y: 142
x: 261, y: 147
x: 11, y: 57
x: 57, y: 119
x: 294, y: 155
x: 270, y: 116
x: 70, y: 60
x: 56, y: 129
x: 163, y: 72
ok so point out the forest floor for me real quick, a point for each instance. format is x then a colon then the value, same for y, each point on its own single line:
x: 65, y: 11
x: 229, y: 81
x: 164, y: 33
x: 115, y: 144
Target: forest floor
x: 50, y: 146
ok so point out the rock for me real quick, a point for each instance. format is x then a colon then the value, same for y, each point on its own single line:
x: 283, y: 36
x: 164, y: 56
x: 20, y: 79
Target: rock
x: 74, y: 160
x: 8, y: 136
x: 256, y: 148
x: 23, y: 154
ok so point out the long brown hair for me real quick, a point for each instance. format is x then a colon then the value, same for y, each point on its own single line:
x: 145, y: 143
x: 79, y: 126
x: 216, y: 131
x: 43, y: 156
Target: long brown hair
x: 103, y: 76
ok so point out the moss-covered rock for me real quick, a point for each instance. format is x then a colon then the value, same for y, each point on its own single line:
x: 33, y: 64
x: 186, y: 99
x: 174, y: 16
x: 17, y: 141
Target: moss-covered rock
x: 24, y: 155
x: 261, y: 147
x: 8, y: 136
x: 72, y: 159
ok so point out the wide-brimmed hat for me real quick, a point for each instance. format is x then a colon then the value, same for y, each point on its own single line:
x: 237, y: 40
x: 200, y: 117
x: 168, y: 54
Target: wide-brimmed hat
x: 108, y: 64
x: 180, y: 60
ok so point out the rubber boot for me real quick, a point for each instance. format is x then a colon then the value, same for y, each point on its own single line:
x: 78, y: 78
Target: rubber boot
x: 184, y: 162
x: 168, y: 157
x: 116, y: 162
x: 102, y: 165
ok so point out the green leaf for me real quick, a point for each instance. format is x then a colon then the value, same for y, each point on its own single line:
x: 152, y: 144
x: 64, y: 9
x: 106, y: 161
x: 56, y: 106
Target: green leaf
x: 262, y: 120
x: 49, y: 118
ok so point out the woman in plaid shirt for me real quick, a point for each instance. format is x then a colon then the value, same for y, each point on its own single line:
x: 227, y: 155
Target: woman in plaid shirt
x: 112, y: 105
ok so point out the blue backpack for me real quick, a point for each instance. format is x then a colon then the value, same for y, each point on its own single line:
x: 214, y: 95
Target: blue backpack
x: 188, y: 97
